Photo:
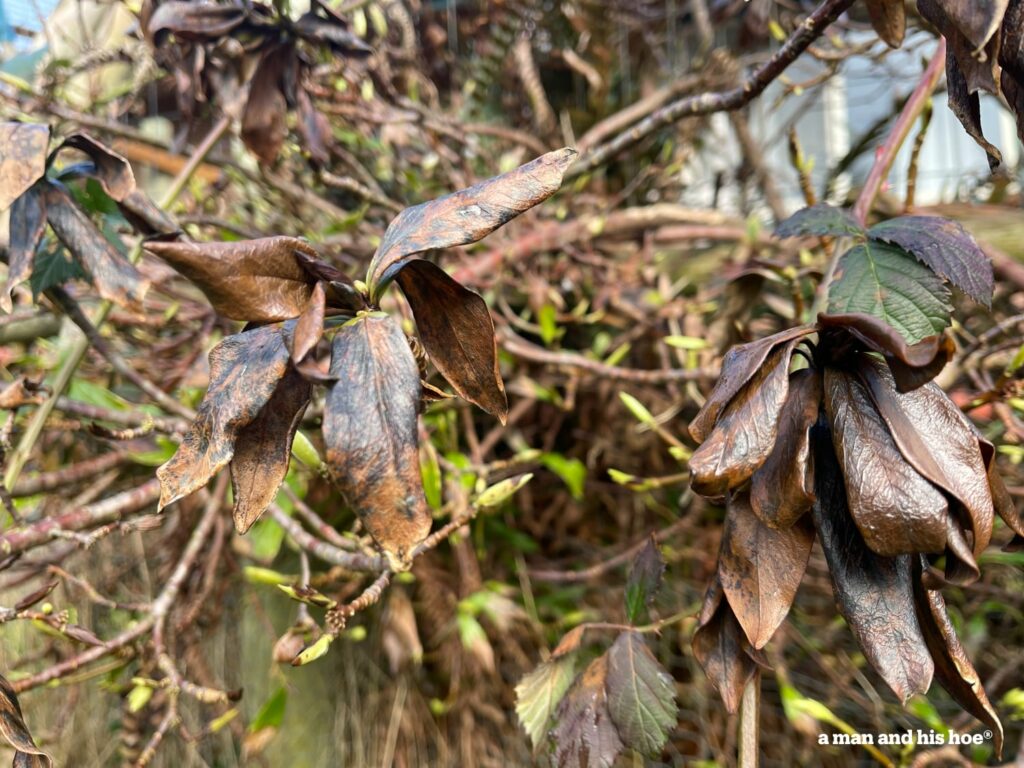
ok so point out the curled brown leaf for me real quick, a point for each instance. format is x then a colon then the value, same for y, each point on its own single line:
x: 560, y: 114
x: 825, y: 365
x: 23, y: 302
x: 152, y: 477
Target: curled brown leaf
x: 28, y: 223
x: 16, y: 733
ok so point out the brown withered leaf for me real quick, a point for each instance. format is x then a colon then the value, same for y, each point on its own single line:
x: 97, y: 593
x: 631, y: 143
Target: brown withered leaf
x: 722, y: 650
x: 113, y: 172
x: 976, y: 21
x: 194, y: 21
x: 1006, y: 509
x: 115, y: 278
x: 22, y: 158
x: 309, y: 328
x: 874, y: 594
x: 370, y: 432
x: 19, y: 392
x: 400, y: 637
x: 465, y: 216
x: 911, y: 364
x: 896, y: 509
x: 739, y: 365
x: 745, y: 432
x: 16, y: 733
x: 782, y: 490
x: 35, y: 596
x: 28, y: 223
x: 760, y: 568
x: 263, y: 449
x: 245, y: 371
x: 313, y: 128
x: 145, y: 215
x: 1011, y: 59
x: 585, y: 736
x: 953, y: 669
x: 455, y: 327
x: 265, y: 119
x: 258, y: 281
x: 936, y: 438
x: 889, y: 20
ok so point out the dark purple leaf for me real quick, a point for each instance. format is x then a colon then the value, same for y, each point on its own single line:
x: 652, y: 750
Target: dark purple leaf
x: 585, y: 736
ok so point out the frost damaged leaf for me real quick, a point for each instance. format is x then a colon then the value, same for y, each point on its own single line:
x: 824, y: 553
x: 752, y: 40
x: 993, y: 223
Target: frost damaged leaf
x: 115, y: 278
x: 539, y: 693
x: 644, y: 580
x: 889, y: 19
x: 873, y: 593
x: 641, y: 695
x: 782, y: 490
x: 22, y: 158
x: 760, y: 569
x: 820, y: 219
x: 245, y: 371
x: 465, y: 216
x: 897, y: 511
x: 953, y: 668
x: 263, y: 449
x: 259, y: 281
x: 945, y: 247
x: 457, y: 332
x: 28, y: 223
x: 16, y: 733
x: 745, y: 432
x: 370, y: 431
x: 585, y: 736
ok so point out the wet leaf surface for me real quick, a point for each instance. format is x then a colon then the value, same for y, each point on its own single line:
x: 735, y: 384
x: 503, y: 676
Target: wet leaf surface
x: 16, y: 733
x: 465, y: 216
x: 370, y: 431
x: 953, y: 668
x: 641, y: 695
x: 820, y: 219
x: 257, y: 281
x: 896, y: 509
x: 263, y: 449
x: 585, y: 736
x: 760, y: 568
x: 245, y: 371
x: 782, y: 490
x: 455, y: 327
x: 644, y: 580
x: 27, y: 225
x: 874, y: 594
x: 745, y: 432
x: 944, y: 246
x: 22, y: 158
x: 115, y: 278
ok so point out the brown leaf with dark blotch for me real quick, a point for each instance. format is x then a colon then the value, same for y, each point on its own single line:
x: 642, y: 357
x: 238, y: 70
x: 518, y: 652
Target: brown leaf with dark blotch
x: 584, y: 734
x: 896, y: 509
x: 27, y: 225
x: 113, y: 275
x: 113, y: 172
x: 782, y: 489
x: 245, y: 371
x: 936, y: 438
x: 953, y: 669
x: 194, y: 21
x: 265, y: 119
x: 258, y: 281
x: 745, y: 432
x: 14, y: 731
x: 370, y: 432
x: 722, y: 650
x: 457, y: 332
x: 22, y: 158
x: 309, y: 328
x: 263, y: 449
x: 739, y: 365
x: 874, y: 594
x: 911, y: 364
x: 465, y: 216
x: 889, y: 19
x: 760, y: 568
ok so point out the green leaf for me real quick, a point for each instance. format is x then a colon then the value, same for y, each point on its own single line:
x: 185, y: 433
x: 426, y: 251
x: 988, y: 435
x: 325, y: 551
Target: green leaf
x: 539, y: 692
x: 887, y: 282
x: 501, y: 491
x: 821, y: 219
x: 572, y: 471
x: 548, y: 324
x: 638, y: 409
x: 271, y: 714
x: 314, y: 651
x: 53, y: 266
x: 138, y: 697
x: 641, y: 695
x: 644, y: 580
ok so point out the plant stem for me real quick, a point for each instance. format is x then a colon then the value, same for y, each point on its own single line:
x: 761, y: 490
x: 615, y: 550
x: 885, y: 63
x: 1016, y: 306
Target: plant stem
x: 20, y: 455
x: 750, y: 711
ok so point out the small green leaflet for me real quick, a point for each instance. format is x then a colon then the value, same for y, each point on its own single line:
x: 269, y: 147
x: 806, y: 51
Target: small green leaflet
x: 821, y: 219
x: 887, y: 282
x: 641, y: 695
x: 539, y: 693
x: 53, y: 266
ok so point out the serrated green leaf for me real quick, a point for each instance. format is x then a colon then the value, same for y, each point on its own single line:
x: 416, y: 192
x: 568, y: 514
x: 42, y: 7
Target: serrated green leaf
x: 641, y: 695
x: 539, y: 693
x: 887, y: 282
x: 821, y: 219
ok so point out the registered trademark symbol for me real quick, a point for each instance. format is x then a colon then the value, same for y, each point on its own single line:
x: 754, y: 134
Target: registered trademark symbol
x: 988, y: 734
